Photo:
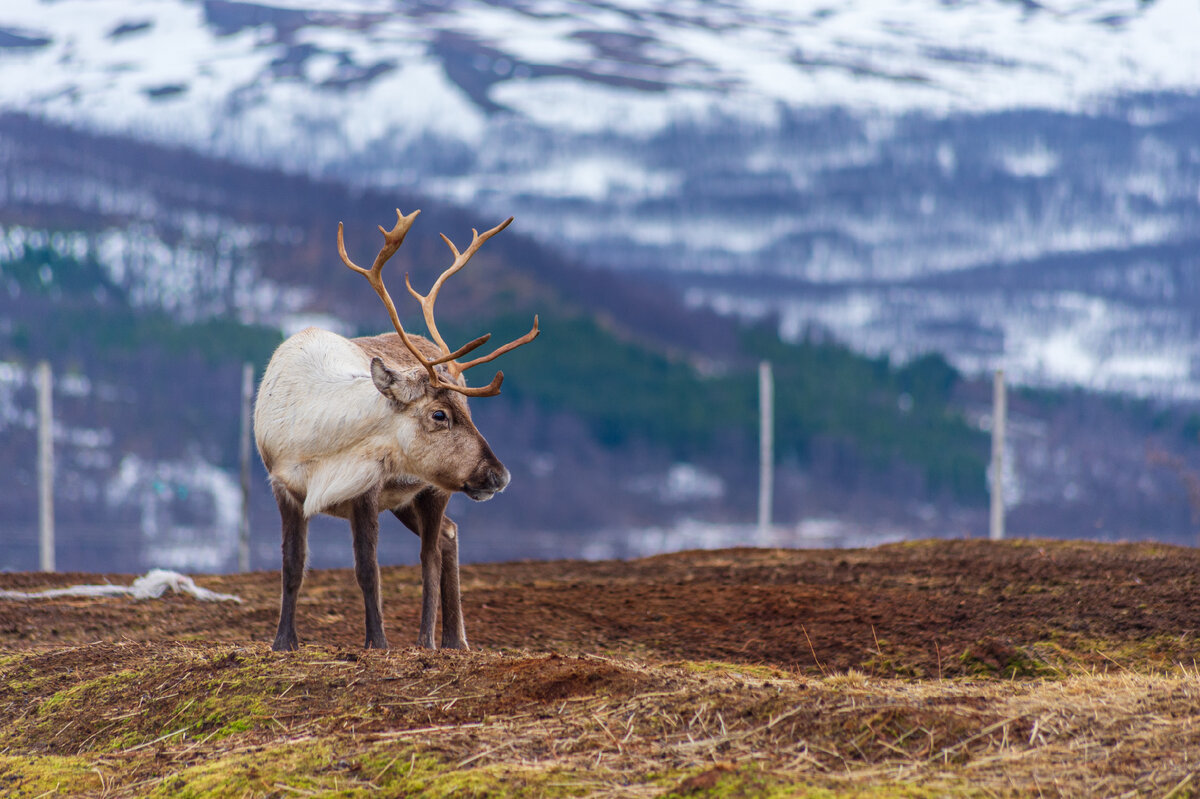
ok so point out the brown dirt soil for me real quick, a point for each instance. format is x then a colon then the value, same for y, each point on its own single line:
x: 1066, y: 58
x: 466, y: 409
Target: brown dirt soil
x: 888, y: 671
x: 912, y: 609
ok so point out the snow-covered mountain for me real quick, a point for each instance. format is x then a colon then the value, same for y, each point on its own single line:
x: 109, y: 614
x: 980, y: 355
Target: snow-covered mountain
x: 212, y: 72
x: 1014, y: 183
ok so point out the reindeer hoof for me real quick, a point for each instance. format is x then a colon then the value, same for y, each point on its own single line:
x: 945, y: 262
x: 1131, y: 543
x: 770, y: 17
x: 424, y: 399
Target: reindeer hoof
x: 285, y: 643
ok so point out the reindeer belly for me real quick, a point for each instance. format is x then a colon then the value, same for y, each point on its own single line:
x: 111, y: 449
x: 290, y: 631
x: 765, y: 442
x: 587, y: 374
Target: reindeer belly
x: 398, y: 494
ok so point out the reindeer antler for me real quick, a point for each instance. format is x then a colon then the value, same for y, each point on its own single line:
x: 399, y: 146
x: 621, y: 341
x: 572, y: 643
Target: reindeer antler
x: 392, y: 241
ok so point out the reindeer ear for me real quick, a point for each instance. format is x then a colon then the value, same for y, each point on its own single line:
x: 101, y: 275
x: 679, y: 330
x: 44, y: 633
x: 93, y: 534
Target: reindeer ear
x: 403, y: 387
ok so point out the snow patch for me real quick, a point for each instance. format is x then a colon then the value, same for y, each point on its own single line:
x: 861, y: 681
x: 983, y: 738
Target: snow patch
x: 697, y: 534
x: 188, y: 511
x: 682, y: 483
x: 1036, y: 162
x: 150, y: 586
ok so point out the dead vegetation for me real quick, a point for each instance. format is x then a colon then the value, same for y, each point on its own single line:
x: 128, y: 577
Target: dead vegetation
x: 1057, y: 713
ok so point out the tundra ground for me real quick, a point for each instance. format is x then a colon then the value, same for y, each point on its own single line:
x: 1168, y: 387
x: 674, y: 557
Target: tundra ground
x: 966, y: 668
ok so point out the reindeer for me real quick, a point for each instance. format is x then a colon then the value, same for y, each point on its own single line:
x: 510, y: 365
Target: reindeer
x: 355, y: 427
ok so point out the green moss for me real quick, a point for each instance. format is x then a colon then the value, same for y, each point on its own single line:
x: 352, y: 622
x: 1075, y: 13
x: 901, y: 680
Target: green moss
x: 25, y: 776
x: 302, y: 767
x: 335, y: 767
x: 340, y: 768
x: 1158, y: 654
x: 219, y: 716
x: 413, y: 774
x: 228, y: 703
x: 726, y: 781
x: 24, y: 683
x: 1064, y: 654
x: 1007, y: 662
x: 87, y: 694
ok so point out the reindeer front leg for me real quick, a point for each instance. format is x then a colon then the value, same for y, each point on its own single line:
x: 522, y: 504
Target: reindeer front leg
x: 426, y: 517
x: 364, y: 525
x: 454, y: 631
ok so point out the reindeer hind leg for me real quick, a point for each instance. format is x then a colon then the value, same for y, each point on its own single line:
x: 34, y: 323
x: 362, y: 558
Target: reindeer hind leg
x: 439, y: 567
x: 295, y: 554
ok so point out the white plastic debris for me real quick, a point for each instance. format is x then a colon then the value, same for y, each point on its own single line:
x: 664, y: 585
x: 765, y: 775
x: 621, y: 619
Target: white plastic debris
x: 153, y: 584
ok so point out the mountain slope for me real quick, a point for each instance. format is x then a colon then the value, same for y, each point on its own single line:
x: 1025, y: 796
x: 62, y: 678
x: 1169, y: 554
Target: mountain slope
x: 852, y: 148
x: 147, y: 276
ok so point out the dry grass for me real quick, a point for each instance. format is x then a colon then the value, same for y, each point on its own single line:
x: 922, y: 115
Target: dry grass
x: 919, y: 670
x: 138, y: 719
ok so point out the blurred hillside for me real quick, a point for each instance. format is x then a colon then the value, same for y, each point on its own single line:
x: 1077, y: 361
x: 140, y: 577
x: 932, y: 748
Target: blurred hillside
x: 147, y: 275
x: 888, y: 199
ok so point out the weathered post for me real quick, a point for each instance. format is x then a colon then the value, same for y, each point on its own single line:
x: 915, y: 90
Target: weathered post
x: 45, y: 385
x: 244, y: 526
x: 766, y: 448
x: 999, y: 411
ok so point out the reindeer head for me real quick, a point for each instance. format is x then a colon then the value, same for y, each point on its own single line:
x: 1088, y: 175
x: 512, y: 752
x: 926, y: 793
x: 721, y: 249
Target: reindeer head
x: 438, y: 437
x: 435, y: 431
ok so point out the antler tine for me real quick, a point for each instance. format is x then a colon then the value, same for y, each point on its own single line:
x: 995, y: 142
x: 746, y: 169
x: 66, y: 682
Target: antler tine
x: 490, y: 390
x: 460, y: 260
x: 512, y: 345
x: 463, y: 350
x: 392, y: 239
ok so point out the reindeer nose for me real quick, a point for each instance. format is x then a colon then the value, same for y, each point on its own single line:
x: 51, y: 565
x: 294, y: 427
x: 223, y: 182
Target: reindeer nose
x: 489, y: 480
x: 498, y: 479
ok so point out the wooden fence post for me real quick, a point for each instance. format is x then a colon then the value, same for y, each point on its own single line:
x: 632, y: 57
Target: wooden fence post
x: 999, y: 412
x: 45, y: 385
x: 244, y: 526
x: 766, y: 449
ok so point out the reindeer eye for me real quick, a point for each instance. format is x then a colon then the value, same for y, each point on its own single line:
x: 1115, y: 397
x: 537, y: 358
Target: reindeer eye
x: 439, y: 416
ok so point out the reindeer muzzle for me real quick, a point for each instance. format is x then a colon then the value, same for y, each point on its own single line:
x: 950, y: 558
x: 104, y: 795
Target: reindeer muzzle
x: 491, y: 482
